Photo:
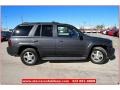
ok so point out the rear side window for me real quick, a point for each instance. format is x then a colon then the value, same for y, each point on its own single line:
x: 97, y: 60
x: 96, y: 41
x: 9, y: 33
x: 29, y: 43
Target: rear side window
x: 37, y: 33
x: 47, y: 30
x: 22, y: 30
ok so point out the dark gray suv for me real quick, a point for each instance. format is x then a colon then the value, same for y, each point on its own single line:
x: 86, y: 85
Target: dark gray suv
x: 57, y: 41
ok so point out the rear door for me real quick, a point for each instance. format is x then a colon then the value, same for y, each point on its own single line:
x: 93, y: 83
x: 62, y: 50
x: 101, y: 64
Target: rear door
x: 45, y: 37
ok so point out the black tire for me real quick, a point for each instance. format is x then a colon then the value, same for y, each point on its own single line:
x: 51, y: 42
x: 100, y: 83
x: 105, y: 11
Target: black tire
x: 103, y: 52
x: 32, y: 51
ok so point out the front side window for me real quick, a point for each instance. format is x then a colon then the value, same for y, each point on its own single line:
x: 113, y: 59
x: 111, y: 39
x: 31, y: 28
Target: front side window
x: 66, y: 31
x: 63, y: 31
x: 47, y: 30
x: 22, y: 30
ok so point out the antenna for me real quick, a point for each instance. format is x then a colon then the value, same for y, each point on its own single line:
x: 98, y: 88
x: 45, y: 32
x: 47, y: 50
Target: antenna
x: 22, y: 19
x: 6, y: 22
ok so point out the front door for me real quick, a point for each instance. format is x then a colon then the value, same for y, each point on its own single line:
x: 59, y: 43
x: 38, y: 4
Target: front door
x: 68, y: 43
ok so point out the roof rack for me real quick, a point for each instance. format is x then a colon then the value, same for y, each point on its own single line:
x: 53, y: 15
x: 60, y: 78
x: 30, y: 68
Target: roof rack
x: 39, y: 22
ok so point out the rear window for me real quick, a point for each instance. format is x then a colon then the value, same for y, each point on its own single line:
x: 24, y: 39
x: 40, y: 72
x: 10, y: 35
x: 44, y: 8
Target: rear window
x: 22, y: 30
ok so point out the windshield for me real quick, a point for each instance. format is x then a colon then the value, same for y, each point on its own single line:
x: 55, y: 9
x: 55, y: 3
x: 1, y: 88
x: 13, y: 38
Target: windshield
x: 79, y: 32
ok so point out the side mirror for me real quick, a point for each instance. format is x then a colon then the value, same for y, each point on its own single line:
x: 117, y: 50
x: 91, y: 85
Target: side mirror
x: 80, y: 37
x: 71, y: 34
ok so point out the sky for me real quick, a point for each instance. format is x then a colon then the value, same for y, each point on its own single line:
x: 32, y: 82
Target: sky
x: 75, y: 15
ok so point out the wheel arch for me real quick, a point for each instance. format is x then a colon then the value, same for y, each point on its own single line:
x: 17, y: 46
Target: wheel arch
x: 93, y: 46
x: 21, y: 48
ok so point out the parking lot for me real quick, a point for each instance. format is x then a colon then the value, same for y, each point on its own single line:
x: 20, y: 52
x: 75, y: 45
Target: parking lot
x: 13, y: 70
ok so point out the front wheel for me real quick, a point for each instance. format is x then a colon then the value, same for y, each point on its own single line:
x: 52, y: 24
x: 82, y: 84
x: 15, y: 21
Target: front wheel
x: 98, y: 55
x: 29, y: 56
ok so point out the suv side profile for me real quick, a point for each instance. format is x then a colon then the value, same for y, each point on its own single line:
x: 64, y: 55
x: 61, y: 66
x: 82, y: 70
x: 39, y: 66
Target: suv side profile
x: 57, y: 41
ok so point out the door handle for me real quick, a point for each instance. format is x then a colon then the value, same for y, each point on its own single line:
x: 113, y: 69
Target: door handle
x: 61, y: 41
x: 36, y: 41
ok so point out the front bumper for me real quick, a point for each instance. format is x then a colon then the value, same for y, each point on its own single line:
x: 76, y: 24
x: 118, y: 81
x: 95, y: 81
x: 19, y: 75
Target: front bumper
x: 111, y: 53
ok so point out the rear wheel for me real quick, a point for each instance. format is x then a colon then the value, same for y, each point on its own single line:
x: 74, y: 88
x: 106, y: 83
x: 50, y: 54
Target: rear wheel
x: 99, y: 55
x: 29, y: 56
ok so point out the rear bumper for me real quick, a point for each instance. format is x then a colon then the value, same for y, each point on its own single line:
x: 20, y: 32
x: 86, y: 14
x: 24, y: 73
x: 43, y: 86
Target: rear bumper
x: 12, y: 51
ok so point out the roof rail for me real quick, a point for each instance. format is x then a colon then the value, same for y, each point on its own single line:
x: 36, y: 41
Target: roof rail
x: 40, y: 22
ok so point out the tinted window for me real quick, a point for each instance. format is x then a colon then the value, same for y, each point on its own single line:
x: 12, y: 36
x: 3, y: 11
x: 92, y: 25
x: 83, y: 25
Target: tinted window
x: 6, y: 33
x: 66, y: 31
x: 47, y: 30
x: 37, y: 33
x: 22, y: 30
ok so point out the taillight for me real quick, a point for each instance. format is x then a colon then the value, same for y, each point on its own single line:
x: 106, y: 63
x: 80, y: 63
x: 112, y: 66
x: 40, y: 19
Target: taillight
x: 9, y: 43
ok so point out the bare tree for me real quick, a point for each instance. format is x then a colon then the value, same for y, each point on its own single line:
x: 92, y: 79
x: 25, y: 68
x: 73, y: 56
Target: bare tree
x: 100, y: 27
